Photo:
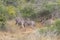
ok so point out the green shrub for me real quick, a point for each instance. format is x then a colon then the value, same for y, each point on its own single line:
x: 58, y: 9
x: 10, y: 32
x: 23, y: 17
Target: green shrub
x: 53, y: 28
x: 27, y: 12
x: 57, y: 25
x: 2, y: 22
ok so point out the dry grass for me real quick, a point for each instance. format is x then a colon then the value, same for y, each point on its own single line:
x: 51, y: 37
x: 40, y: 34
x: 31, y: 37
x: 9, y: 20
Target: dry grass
x: 26, y: 33
x: 34, y: 35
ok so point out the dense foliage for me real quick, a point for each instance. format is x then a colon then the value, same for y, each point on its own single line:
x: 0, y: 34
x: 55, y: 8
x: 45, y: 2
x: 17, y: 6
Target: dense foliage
x: 33, y: 9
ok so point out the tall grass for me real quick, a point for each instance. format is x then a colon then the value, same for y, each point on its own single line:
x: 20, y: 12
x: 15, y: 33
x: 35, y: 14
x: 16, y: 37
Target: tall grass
x: 45, y: 33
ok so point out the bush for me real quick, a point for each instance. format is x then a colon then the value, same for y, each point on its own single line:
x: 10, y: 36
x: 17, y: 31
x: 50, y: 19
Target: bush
x: 2, y: 26
x: 2, y: 23
x: 11, y: 11
x: 57, y: 25
x: 27, y: 12
x: 55, y: 28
